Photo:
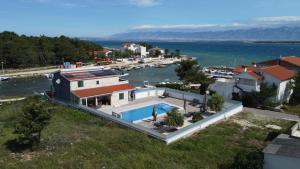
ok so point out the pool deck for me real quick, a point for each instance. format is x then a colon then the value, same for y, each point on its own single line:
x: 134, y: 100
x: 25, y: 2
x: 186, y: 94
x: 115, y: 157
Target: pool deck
x: 150, y: 101
x: 149, y: 123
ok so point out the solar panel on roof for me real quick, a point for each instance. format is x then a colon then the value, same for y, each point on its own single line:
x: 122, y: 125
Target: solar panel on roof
x: 90, y: 74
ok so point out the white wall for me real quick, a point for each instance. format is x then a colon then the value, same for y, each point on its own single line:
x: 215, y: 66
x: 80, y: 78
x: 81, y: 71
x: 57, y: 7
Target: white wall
x: 185, y: 95
x: 144, y: 93
x: 281, y: 86
x: 116, y: 102
x: 143, y: 51
x: 223, y: 87
x: 191, y: 129
x: 272, y: 161
x: 91, y: 83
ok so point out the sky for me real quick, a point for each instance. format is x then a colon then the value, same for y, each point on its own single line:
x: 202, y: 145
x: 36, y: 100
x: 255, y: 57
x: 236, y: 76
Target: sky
x: 99, y: 18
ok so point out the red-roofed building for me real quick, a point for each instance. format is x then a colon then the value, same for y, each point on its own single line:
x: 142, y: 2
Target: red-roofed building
x: 105, y: 52
x: 281, y: 77
x: 92, y: 87
x: 289, y: 62
x: 249, y: 78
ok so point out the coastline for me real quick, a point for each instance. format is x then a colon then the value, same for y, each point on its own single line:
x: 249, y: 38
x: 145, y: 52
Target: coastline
x: 43, y: 70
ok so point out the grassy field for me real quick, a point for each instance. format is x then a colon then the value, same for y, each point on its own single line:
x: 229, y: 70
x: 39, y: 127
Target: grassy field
x: 292, y: 110
x: 74, y: 139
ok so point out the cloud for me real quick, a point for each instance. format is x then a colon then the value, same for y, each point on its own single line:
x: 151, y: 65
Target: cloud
x: 261, y: 22
x: 279, y: 19
x: 145, y: 3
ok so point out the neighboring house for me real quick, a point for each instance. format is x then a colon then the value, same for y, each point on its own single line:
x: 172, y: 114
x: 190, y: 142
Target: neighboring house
x: 155, y: 51
x: 281, y: 77
x: 249, y: 78
x: 105, y: 52
x: 135, y: 48
x: 91, y: 87
x: 282, y: 153
x: 289, y: 62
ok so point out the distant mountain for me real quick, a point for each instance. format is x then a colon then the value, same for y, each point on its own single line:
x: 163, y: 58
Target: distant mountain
x: 253, y: 34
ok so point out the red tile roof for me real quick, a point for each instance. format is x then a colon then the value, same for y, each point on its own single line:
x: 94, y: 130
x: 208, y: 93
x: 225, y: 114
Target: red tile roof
x: 255, y: 75
x: 102, y: 90
x: 241, y: 68
x: 292, y: 60
x: 279, y: 72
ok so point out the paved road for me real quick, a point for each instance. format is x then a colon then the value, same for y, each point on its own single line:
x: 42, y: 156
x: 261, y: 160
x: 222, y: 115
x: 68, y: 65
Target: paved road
x: 272, y: 114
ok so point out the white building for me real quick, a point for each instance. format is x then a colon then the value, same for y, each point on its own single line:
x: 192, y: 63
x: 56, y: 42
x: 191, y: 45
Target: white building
x: 161, y: 51
x: 249, y: 78
x: 136, y: 49
x: 91, y: 87
x: 282, y: 153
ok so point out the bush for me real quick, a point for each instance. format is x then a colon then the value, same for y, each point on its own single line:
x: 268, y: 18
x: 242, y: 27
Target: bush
x: 197, y: 117
x: 174, y: 118
x: 216, y: 102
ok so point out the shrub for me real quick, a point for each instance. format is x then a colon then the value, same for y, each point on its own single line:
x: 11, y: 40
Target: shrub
x: 174, y: 118
x: 197, y: 117
x: 216, y: 102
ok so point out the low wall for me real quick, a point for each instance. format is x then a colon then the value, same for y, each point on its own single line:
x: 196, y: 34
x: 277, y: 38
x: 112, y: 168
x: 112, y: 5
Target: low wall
x: 172, y: 137
x: 191, y: 129
x: 184, y: 95
x: 144, y: 93
x: 295, y: 130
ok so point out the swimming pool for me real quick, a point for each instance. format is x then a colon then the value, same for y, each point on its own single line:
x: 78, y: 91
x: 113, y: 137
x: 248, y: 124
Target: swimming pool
x: 145, y: 112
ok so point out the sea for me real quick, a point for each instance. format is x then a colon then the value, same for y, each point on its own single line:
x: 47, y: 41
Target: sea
x: 208, y: 53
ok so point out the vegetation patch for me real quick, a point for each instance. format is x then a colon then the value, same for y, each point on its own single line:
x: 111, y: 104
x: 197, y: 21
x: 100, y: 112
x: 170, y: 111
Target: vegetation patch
x: 75, y: 139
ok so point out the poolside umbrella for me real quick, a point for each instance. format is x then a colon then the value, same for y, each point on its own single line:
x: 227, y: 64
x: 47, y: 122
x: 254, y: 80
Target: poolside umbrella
x: 154, y: 113
x: 184, y: 105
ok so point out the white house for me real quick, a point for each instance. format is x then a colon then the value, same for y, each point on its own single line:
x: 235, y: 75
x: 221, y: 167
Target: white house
x: 135, y: 48
x: 281, y: 77
x: 282, y: 153
x: 92, y: 87
x: 249, y: 78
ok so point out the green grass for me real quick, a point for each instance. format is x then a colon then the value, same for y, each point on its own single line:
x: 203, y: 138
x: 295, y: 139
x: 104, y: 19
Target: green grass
x: 292, y: 109
x: 74, y: 139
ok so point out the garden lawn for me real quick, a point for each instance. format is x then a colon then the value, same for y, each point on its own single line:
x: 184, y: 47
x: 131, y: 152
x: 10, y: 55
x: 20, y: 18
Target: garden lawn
x: 75, y: 139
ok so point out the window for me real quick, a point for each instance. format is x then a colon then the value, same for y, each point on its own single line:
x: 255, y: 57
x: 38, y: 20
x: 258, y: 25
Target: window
x: 80, y: 83
x: 97, y: 82
x: 121, y: 96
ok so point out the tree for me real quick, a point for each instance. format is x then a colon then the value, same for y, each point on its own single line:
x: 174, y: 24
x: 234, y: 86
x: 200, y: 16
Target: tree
x: 174, y: 118
x: 216, y: 102
x: 295, y: 99
x: 177, y: 52
x: 186, y: 67
x: 190, y: 72
x: 29, y: 51
x: 34, y: 119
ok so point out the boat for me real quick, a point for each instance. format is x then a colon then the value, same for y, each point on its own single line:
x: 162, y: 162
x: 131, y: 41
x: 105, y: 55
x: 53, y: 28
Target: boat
x: 4, y: 78
x: 124, y: 74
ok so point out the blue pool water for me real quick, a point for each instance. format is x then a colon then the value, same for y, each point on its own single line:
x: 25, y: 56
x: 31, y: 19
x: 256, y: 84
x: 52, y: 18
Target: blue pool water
x: 145, y: 112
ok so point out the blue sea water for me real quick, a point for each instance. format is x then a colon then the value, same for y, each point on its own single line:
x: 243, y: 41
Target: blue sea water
x: 145, y: 112
x: 208, y: 53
